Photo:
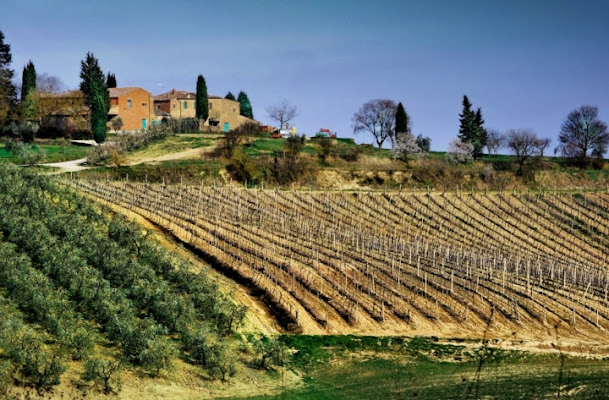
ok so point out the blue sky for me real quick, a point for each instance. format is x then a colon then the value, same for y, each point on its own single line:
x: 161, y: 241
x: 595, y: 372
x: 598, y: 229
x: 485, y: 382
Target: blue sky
x: 526, y: 63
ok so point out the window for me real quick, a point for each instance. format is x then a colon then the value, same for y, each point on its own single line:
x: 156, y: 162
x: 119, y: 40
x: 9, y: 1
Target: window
x: 211, y: 105
x: 144, y: 104
x: 185, y: 105
x: 174, y: 106
x: 129, y: 103
x: 234, y: 109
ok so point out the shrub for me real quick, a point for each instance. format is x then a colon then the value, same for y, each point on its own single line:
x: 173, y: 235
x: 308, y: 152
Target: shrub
x: 157, y: 356
x: 272, y: 352
x: 105, y: 374
x: 325, y: 148
x: 460, y: 152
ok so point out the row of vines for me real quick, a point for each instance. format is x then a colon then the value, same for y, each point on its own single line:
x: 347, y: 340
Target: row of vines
x: 336, y: 259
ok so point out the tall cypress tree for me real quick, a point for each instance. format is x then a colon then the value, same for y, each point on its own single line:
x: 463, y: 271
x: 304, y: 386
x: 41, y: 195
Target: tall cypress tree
x: 480, y: 134
x: 93, y: 85
x: 111, y: 80
x: 401, y: 120
x: 28, y: 80
x: 245, y: 105
x: 202, y: 106
x: 28, y: 93
x: 230, y: 96
x: 8, y: 93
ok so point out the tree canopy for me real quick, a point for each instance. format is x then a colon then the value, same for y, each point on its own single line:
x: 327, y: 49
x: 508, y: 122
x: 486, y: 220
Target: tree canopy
x: 202, y: 104
x: 8, y: 92
x: 527, y: 147
x: 377, y: 117
x: 583, y: 134
x: 245, y: 105
x: 111, y: 80
x: 28, y: 93
x: 402, y: 123
x: 282, y: 112
x: 230, y: 96
x: 471, y: 127
x: 93, y: 85
x: 28, y: 80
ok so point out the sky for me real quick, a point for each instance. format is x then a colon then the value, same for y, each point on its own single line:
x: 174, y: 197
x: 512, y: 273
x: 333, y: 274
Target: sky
x: 526, y: 63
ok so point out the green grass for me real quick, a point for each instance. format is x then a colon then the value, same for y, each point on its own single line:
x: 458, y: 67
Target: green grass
x: 350, y: 367
x: 54, y: 153
x: 170, y: 172
x: 269, y: 147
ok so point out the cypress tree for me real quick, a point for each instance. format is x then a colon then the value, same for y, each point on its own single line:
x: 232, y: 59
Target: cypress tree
x: 93, y: 85
x: 245, y: 105
x: 202, y: 106
x: 230, y: 96
x: 111, y: 80
x: 28, y: 93
x: 480, y: 134
x: 8, y: 93
x: 401, y: 120
x: 28, y: 80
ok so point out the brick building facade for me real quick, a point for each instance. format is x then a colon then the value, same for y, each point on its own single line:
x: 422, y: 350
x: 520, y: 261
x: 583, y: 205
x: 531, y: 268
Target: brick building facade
x: 133, y: 105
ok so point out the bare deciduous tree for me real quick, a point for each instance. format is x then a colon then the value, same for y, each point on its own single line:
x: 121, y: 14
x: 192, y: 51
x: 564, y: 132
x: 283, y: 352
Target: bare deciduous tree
x: 583, y: 132
x: 283, y: 112
x: 495, y: 140
x: 378, y: 118
x: 46, y: 83
x: 527, y: 147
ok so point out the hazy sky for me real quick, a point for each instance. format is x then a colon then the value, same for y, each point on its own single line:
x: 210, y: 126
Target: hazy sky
x: 526, y: 63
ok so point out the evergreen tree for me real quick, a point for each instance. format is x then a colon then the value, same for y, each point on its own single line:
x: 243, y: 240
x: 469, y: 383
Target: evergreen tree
x: 8, y: 93
x: 401, y: 120
x: 93, y: 85
x: 479, y: 139
x: 230, y: 96
x: 111, y: 80
x: 471, y: 128
x: 202, y: 105
x: 28, y: 93
x: 28, y: 80
x: 245, y: 105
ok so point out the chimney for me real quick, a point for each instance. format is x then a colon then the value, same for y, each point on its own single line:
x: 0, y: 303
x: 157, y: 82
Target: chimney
x: 287, y: 125
x: 174, y: 91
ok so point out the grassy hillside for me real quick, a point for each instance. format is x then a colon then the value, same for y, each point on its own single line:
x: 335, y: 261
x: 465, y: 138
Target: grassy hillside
x: 342, y: 165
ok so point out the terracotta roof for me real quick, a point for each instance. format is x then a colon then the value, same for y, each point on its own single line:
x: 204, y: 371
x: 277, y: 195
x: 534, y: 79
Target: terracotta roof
x: 175, y: 94
x: 117, y: 92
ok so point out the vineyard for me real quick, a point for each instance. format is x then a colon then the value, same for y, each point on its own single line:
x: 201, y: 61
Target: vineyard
x: 408, y: 262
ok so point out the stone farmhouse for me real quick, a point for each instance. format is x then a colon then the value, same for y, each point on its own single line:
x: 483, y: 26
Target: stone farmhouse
x: 224, y: 114
x: 138, y: 109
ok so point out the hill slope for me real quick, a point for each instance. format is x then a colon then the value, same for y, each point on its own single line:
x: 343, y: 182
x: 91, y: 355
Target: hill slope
x: 399, y: 263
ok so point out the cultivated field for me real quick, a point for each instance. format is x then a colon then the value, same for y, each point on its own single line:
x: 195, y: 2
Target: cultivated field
x: 458, y: 264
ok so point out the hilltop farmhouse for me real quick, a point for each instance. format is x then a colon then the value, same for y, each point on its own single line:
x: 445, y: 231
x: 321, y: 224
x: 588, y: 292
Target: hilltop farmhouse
x: 138, y: 110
